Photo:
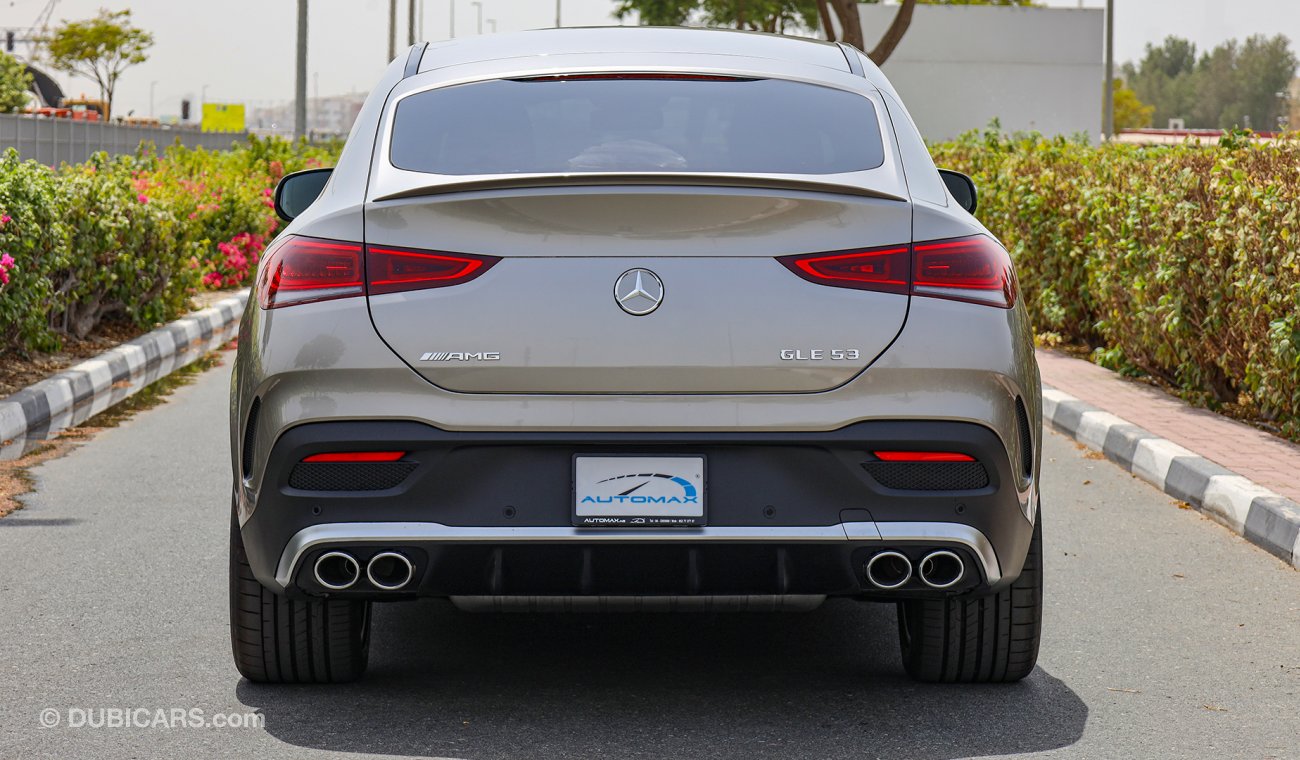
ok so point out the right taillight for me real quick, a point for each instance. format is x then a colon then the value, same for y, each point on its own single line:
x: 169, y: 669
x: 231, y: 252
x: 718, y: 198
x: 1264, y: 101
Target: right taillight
x: 974, y: 269
x: 396, y: 270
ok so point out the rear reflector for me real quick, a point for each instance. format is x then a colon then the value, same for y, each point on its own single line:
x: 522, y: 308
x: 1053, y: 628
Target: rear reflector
x: 356, y: 456
x: 922, y: 456
x: 393, y: 270
x: 302, y: 269
x: 974, y: 269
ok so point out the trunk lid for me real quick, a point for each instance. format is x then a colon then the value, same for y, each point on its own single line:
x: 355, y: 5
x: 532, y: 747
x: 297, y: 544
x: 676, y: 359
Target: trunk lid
x: 729, y: 319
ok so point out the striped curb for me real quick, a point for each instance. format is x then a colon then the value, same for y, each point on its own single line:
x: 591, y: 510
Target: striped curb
x: 1262, y: 517
x: 75, y: 395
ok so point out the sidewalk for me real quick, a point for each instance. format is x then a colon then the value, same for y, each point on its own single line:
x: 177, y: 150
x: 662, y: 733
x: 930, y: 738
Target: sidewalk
x: 1266, y: 459
x: 1242, y: 477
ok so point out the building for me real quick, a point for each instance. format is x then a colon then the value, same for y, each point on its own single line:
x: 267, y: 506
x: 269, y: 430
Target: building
x: 961, y: 66
x: 327, y: 116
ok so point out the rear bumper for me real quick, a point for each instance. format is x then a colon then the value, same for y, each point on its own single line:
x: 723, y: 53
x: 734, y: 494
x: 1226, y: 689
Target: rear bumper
x: 490, y: 513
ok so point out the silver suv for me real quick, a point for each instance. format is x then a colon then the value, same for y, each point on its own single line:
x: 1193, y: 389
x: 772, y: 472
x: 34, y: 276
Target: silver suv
x: 627, y: 319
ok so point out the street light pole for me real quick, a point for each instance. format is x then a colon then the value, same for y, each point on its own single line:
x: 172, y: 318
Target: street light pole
x: 392, y: 29
x: 479, y: 7
x: 492, y: 24
x: 410, y: 23
x: 557, y: 14
x: 1108, y: 97
x: 300, y: 81
x: 153, y: 86
x: 452, y: 24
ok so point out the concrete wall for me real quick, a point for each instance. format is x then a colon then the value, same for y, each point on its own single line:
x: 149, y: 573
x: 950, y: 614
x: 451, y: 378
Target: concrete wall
x: 959, y: 66
x: 55, y: 141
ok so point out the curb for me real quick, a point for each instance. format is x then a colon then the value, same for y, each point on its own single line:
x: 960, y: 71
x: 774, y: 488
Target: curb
x: 79, y: 393
x: 1262, y: 517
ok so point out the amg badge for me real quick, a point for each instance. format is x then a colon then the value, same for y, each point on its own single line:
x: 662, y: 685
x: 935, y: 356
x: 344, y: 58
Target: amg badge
x: 461, y: 356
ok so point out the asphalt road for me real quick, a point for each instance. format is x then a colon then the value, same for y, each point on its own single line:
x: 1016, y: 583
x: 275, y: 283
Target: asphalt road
x: 1165, y: 637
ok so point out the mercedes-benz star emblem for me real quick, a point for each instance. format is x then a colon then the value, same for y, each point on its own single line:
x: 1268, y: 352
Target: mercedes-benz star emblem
x: 638, y: 291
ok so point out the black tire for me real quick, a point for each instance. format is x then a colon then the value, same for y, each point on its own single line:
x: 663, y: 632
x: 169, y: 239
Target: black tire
x: 279, y: 640
x: 988, y: 639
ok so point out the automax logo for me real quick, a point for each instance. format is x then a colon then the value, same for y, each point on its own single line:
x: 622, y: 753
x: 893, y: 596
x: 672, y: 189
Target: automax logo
x: 689, y: 495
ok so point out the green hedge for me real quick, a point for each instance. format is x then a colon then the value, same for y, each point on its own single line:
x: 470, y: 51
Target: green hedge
x: 131, y: 237
x: 1181, y: 261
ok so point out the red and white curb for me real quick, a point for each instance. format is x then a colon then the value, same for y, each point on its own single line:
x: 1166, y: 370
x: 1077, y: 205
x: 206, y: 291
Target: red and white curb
x: 77, y: 394
x: 1261, y: 516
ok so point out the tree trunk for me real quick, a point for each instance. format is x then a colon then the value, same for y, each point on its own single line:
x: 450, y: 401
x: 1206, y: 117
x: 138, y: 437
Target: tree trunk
x: 850, y: 22
x: 824, y: 11
x: 894, y: 34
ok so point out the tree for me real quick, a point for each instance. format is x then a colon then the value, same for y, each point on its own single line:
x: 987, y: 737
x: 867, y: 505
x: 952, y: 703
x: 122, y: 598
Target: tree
x: 1164, y: 78
x: 1233, y: 85
x: 1130, y: 112
x: 100, y: 49
x: 778, y: 15
x: 15, y: 80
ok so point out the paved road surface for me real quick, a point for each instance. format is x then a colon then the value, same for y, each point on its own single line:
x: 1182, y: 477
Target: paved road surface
x: 1166, y: 636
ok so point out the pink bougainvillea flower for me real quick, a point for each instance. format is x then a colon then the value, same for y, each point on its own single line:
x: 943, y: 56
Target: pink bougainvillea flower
x: 6, y: 260
x: 143, y: 198
x: 5, y: 219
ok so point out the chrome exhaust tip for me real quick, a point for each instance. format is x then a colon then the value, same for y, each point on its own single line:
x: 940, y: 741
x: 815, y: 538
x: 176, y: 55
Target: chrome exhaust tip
x: 389, y: 570
x: 889, y: 569
x: 336, y: 571
x: 942, y: 569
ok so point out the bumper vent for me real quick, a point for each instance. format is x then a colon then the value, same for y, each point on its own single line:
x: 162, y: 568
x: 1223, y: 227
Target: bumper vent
x: 928, y: 476
x: 349, y: 476
x: 250, y: 438
x: 1026, y: 440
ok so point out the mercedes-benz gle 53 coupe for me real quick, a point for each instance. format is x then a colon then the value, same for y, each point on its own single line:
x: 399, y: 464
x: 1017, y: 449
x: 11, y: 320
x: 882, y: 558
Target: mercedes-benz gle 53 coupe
x: 634, y: 318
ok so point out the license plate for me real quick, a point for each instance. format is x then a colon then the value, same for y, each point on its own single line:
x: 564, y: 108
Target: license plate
x: 638, y: 491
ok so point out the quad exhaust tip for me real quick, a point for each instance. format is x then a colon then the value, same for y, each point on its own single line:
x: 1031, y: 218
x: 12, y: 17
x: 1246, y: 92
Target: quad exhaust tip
x: 889, y: 569
x: 336, y: 570
x: 942, y: 569
x: 389, y: 571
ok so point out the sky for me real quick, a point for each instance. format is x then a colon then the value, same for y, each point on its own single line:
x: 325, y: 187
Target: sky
x: 242, y: 50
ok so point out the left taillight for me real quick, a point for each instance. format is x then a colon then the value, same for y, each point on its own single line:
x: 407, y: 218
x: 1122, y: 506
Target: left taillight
x: 301, y: 270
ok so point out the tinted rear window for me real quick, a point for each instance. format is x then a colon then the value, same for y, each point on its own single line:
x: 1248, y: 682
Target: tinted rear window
x: 636, y: 125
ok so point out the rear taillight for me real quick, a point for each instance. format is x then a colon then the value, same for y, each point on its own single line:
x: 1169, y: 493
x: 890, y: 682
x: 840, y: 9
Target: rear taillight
x: 393, y: 270
x: 299, y: 269
x: 974, y: 269
x: 302, y: 269
x: 881, y: 269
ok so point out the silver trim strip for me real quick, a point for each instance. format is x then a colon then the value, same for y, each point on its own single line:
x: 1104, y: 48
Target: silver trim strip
x: 357, y: 533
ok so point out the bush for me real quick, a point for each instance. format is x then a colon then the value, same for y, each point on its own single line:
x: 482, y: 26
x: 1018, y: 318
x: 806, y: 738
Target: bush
x: 131, y: 237
x: 1178, y: 260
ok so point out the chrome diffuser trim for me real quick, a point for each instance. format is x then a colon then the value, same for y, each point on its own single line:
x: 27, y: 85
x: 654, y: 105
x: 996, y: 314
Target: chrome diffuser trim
x: 351, y: 534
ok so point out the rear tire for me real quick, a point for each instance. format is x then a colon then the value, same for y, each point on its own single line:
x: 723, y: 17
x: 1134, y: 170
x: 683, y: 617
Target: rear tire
x: 988, y: 639
x: 278, y: 640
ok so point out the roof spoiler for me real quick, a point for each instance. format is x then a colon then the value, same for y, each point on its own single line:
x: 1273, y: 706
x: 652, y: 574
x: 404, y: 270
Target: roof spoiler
x: 660, y: 179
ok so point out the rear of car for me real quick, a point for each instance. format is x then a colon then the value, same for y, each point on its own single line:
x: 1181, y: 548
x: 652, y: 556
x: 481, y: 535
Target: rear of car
x: 648, y: 327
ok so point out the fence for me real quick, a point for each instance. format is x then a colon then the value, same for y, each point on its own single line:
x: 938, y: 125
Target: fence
x: 54, y: 141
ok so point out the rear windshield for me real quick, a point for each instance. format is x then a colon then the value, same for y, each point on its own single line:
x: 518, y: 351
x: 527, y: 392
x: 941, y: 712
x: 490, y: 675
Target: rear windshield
x: 609, y: 124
